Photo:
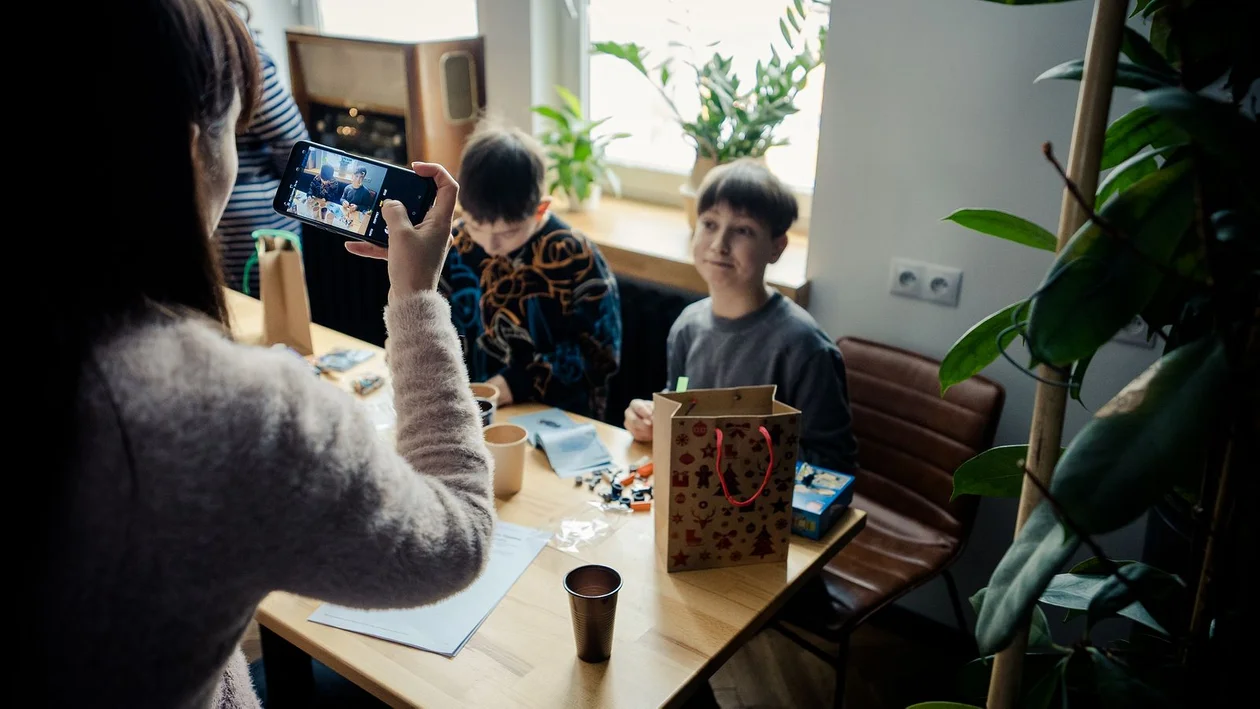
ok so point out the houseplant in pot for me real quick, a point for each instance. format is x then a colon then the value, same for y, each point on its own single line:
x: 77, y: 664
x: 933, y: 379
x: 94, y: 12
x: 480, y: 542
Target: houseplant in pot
x: 735, y: 119
x: 1171, y: 235
x: 577, y: 168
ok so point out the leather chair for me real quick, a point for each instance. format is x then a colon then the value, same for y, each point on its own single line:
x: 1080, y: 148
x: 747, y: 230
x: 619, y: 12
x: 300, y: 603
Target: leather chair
x: 910, y: 442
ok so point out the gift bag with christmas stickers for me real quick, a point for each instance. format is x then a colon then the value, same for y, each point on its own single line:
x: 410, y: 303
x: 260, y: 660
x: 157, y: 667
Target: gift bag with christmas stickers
x: 725, y: 463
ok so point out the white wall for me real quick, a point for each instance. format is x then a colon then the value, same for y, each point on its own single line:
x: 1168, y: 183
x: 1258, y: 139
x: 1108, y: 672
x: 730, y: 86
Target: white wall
x: 929, y: 107
x: 269, y: 18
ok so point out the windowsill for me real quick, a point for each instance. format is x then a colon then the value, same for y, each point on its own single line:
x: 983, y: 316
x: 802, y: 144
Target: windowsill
x: 653, y: 243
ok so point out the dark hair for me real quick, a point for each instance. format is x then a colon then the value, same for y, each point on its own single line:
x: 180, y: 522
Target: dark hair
x: 360, y: 170
x: 500, y: 175
x: 185, y: 62
x: 747, y: 186
x: 326, y: 172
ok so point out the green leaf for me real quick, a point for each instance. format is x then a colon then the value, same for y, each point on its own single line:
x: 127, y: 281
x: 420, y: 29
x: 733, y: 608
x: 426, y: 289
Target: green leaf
x: 1128, y: 75
x: 553, y: 114
x: 792, y: 18
x: 1122, y: 176
x: 1115, y: 687
x: 665, y: 74
x: 581, y: 150
x: 570, y: 101
x: 1075, y: 592
x: 1135, y: 130
x: 1138, y: 6
x: 786, y: 36
x: 1157, y: 590
x: 1140, y: 52
x: 1149, y: 7
x: 629, y: 52
x: 1026, y: 2
x: 1004, y: 226
x: 942, y: 705
x: 997, y: 472
x: 1037, y: 552
x: 1218, y: 127
x: 1093, y: 566
x: 1140, y: 442
x: 800, y: 7
x: 1078, y: 378
x: 1100, y: 281
x: 977, y: 348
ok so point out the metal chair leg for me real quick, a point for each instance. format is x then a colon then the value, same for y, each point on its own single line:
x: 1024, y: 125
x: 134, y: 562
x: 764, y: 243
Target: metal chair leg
x: 957, y: 601
x: 841, y: 666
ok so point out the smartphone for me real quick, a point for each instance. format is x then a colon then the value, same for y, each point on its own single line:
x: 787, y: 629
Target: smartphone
x: 342, y: 192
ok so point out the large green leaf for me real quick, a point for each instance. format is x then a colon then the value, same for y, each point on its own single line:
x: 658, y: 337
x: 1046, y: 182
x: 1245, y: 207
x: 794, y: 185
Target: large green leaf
x: 1135, y: 130
x: 997, y: 472
x: 977, y: 348
x: 1125, y: 174
x: 1218, y: 127
x: 1138, y: 445
x: 629, y: 52
x: 1158, y: 591
x: 1032, y: 559
x: 1128, y: 75
x: 1093, y: 566
x: 1004, y: 226
x: 1100, y: 281
x: 1038, y: 626
x: 1139, y: 51
x: 1076, y: 591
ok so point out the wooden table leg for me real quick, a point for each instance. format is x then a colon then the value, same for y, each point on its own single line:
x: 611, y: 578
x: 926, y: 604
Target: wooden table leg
x: 290, y: 677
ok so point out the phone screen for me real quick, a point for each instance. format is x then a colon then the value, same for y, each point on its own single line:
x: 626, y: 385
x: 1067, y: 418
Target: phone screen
x: 342, y: 192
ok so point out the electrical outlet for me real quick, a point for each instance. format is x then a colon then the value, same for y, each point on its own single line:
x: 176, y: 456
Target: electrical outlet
x: 906, y: 278
x: 941, y: 284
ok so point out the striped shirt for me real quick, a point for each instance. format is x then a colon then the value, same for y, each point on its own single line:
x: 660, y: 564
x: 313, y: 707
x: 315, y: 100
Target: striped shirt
x: 263, y: 150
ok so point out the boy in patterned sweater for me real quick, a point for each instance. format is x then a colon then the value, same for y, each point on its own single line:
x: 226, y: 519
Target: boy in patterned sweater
x: 533, y: 300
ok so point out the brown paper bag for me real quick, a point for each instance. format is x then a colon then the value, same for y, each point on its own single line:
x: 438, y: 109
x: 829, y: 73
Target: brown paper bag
x: 725, y: 462
x: 282, y: 283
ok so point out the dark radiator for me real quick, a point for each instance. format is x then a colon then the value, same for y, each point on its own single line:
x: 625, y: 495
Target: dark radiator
x: 348, y: 294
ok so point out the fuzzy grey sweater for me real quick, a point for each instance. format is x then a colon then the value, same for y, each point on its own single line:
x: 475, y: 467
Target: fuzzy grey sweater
x: 212, y: 473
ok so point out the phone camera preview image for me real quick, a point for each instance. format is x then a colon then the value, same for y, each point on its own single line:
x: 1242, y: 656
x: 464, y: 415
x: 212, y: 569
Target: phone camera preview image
x: 337, y: 190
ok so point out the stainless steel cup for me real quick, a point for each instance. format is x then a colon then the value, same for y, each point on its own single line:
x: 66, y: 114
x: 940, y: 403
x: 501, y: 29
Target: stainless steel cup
x: 593, y: 605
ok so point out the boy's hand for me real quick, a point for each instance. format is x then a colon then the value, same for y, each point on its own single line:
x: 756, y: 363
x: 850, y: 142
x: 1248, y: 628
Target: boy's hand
x: 639, y: 420
x: 505, y: 391
x: 417, y: 253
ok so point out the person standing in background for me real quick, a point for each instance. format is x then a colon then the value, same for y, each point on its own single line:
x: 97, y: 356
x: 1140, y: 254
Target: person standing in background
x: 264, y: 148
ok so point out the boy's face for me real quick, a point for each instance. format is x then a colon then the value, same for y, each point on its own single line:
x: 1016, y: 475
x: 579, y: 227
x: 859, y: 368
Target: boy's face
x: 502, y: 237
x: 732, y: 249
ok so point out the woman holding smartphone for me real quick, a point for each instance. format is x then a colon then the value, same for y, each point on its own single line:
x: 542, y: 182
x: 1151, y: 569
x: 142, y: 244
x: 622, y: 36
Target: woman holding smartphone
x: 188, y: 476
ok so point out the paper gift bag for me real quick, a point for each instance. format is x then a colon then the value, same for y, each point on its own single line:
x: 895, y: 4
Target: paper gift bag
x: 725, y: 464
x: 282, y: 284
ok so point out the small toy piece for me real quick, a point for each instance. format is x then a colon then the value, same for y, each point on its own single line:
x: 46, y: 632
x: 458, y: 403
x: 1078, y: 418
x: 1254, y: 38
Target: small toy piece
x: 628, y: 479
x: 367, y: 384
x: 644, y: 471
x: 641, y: 506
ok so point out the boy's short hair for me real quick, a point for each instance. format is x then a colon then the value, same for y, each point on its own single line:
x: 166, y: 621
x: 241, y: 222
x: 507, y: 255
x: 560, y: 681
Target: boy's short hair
x: 747, y: 186
x: 501, y: 175
x: 360, y: 170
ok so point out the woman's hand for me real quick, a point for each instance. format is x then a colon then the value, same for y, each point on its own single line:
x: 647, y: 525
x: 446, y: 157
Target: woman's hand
x: 639, y: 420
x: 417, y: 253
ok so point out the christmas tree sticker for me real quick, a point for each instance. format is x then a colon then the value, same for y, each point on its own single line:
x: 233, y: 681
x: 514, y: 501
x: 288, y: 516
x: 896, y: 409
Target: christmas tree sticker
x: 732, y: 483
x: 763, y: 545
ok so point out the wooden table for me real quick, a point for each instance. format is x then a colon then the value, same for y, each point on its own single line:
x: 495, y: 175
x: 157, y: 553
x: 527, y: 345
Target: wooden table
x: 673, y: 631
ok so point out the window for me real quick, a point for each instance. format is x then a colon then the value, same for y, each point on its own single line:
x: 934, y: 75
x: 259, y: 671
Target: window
x: 743, y: 29
x: 399, y: 20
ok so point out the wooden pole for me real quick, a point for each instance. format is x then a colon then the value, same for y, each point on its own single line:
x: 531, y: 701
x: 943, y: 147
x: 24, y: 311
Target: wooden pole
x: 1093, y: 105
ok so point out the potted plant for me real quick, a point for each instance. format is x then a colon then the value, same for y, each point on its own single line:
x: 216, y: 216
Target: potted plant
x: 577, y: 168
x: 1171, y: 235
x: 735, y: 120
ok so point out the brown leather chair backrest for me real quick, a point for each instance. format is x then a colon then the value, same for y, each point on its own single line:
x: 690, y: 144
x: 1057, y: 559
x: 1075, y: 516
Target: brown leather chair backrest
x: 906, y: 431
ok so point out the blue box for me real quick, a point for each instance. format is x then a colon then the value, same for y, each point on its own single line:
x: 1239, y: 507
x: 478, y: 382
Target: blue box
x: 820, y: 497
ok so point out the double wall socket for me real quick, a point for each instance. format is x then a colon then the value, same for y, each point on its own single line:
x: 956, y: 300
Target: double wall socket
x: 925, y: 281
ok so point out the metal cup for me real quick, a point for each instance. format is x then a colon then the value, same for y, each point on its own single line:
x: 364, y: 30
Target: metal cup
x: 593, y: 605
x: 486, y: 408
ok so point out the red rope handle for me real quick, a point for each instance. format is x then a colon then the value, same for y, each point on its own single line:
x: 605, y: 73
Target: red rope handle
x: 764, y: 481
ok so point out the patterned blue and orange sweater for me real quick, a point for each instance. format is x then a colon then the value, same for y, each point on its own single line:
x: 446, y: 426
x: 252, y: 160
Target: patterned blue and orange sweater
x: 546, y: 316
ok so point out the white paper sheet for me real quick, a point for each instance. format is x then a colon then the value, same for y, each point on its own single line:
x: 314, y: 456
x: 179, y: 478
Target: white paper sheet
x: 445, y: 626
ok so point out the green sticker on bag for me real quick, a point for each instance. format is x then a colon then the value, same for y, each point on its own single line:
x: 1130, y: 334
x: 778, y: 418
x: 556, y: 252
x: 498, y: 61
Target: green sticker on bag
x: 682, y: 384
